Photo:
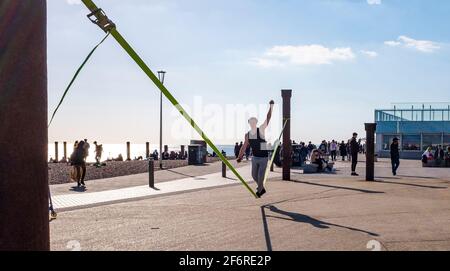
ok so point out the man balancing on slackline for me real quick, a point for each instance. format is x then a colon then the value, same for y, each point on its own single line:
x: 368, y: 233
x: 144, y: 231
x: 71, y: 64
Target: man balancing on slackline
x: 256, y: 139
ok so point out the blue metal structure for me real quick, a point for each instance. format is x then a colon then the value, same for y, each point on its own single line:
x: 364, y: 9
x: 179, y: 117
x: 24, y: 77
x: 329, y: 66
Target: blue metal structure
x: 417, y: 128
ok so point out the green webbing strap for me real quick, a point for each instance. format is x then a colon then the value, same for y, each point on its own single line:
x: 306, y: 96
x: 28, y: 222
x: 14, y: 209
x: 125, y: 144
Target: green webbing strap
x: 75, y: 77
x: 102, y: 20
x: 275, y: 148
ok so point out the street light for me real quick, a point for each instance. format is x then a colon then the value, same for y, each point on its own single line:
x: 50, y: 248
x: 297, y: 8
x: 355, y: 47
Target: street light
x: 161, y: 77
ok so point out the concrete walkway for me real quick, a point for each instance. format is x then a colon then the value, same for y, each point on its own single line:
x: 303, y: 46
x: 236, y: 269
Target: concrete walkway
x: 312, y: 212
x: 69, y: 201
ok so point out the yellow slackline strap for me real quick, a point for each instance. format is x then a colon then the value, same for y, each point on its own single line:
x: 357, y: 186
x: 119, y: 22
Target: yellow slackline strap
x: 275, y: 149
x: 75, y: 77
x: 108, y: 26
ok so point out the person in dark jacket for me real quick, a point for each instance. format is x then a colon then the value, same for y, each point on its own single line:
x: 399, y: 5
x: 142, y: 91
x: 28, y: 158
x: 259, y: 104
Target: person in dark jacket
x: 395, y: 156
x: 343, y: 150
x: 354, y: 150
x: 78, y: 162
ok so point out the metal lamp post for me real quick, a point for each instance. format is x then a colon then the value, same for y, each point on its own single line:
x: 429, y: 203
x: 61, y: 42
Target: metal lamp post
x: 161, y: 77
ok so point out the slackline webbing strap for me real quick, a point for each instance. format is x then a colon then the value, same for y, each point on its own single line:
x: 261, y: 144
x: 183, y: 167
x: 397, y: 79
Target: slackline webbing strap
x: 107, y: 25
x: 75, y: 77
x: 275, y: 149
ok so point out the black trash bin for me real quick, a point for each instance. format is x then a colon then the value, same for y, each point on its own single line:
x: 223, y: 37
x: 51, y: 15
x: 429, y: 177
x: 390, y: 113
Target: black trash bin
x: 195, y: 155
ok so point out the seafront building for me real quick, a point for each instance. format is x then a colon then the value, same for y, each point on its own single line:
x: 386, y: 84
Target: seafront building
x: 417, y: 126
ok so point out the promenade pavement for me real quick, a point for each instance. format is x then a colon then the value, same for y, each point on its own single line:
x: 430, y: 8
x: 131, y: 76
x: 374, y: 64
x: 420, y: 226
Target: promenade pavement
x: 311, y: 212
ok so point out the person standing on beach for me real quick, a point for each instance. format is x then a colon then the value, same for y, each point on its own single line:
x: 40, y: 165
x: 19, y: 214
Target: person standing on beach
x: 98, y: 152
x: 354, y: 151
x: 395, y: 156
x: 255, y: 139
x: 236, y: 150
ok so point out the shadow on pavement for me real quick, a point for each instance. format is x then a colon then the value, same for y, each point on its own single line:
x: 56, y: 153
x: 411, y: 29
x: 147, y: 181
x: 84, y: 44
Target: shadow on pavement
x: 80, y: 189
x: 300, y: 218
x: 409, y: 184
x: 266, y: 228
x: 340, y: 187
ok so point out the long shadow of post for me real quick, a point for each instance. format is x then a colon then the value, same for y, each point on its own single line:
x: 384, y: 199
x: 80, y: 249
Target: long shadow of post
x: 300, y: 218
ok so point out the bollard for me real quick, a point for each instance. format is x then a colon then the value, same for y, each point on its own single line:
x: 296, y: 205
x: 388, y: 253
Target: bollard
x: 56, y: 153
x: 183, y: 149
x: 128, y: 151
x: 151, y: 173
x: 65, y: 150
x: 370, y: 153
x: 287, y: 147
x: 224, y: 170
x: 147, y: 150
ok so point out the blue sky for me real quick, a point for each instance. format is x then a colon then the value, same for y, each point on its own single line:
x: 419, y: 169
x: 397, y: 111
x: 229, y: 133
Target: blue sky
x: 342, y: 58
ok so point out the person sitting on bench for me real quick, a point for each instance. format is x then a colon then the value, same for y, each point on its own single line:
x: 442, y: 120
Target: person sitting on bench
x: 317, y: 159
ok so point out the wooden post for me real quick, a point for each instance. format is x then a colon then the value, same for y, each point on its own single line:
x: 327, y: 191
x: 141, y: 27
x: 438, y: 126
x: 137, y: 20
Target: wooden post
x: 287, y: 146
x: 370, y: 151
x: 65, y: 150
x: 147, y: 149
x: 224, y: 170
x: 128, y: 151
x: 56, y: 152
x: 23, y: 124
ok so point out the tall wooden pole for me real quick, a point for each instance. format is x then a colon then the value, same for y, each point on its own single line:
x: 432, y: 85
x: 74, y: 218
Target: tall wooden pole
x: 287, y: 147
x: 23, y: 126
x: 370, y: 151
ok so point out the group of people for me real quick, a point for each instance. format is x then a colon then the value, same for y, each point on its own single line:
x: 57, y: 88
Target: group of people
x: 332, y: 149
x: 78, y: 160
x: 172, y: 155
x: 439, y: 156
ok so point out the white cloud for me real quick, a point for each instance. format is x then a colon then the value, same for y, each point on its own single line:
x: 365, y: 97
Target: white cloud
x: 303, y: 55
x: 374, y: 2
x: 370, y: 54
x: 424, y: 46
x: 73, y: 2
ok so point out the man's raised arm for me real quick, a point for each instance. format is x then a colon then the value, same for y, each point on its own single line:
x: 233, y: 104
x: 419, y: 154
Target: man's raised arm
x: 269, y: 116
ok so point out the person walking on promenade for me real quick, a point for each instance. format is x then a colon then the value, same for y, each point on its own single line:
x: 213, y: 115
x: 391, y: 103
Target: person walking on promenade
x: 310, y: 149
x: 349, y: 152
x: 255, y: 139
x: 86, y: 147
x: 343, y: 150
x: 354, y: 151
x: 247, y: 152
x: 395, y: 156
x: 236, y: 150
x: 323, y: 147
x: 78, y: 162
x: 333, y: 150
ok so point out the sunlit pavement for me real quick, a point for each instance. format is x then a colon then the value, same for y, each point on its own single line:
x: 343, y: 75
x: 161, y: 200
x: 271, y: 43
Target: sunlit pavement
x: 313, y: 212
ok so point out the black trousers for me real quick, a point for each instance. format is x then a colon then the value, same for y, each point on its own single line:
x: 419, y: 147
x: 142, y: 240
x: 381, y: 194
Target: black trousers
x: 395, y: 164
x: 83, y: 172
x: 333, y: 155
x: 354, y: 161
